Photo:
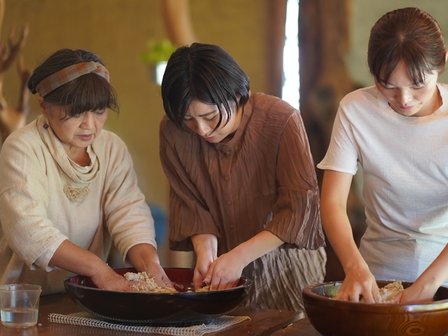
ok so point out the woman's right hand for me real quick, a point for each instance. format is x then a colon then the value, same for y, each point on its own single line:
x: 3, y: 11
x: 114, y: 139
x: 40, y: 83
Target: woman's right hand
x: 358, y: 278
x: 205, y: 247
x: 77, y: 260
x: 358, y: 282
x: 201, y: 270
x: 106, y: 278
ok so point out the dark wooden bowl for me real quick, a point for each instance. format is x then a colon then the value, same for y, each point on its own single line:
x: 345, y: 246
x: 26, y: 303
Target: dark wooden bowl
x: 336, y: 317
x: 156, y: 309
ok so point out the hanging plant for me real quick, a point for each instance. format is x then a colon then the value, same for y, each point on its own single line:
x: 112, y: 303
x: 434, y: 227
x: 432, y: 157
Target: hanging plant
x: 157, y: 51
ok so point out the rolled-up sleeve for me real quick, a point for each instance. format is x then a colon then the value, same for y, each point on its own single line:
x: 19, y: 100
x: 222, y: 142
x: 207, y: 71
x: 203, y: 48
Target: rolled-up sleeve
x: 127, y: 215
x: 23, y: 202
x: 188, y: 212
x: 297, y: 210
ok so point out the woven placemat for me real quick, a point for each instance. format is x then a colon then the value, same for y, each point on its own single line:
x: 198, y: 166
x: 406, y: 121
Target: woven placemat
x: 88, y: 320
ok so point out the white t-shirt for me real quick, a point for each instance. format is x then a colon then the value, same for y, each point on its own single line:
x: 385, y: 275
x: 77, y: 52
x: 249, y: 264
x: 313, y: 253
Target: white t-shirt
x: 405, y: 180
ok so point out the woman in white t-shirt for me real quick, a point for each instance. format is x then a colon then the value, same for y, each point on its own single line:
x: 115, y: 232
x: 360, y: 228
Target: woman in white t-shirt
x: 397, y: 131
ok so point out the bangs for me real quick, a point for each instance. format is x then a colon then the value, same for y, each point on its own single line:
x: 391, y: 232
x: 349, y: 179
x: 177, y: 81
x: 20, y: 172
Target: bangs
x: 415, y: 63
x: 205, y: 73
x: 86, y: 93
x: 198, y: 91
x: 412, y: 55
x: 224, y: 95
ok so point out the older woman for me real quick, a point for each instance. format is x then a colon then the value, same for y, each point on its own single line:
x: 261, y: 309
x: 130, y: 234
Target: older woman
x: 68, y: 188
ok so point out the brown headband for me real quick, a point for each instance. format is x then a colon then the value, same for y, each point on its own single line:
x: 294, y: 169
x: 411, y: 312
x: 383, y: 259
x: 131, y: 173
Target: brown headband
x: 68, y: 74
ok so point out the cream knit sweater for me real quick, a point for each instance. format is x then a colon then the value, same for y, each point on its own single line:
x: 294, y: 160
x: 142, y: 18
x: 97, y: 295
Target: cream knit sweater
x: 36, y: 216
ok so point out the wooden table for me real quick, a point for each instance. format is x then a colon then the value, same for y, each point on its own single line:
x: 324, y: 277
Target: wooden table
x: 262, y: 322
x: 301, y: 327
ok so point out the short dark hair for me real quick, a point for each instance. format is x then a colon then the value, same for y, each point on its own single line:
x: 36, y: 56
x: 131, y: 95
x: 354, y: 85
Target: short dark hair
x: 206, y: 73
x: 410, y: 35
x: 89, y: 92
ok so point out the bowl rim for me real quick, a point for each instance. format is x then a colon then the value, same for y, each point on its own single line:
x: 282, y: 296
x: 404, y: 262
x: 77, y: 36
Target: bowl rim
x: 247, y: 283
x: 410, y: 307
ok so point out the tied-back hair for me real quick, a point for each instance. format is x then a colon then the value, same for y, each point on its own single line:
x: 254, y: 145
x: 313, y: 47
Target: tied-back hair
x: 206, y: 73
x: 89, y: 92
x: 410, y: 35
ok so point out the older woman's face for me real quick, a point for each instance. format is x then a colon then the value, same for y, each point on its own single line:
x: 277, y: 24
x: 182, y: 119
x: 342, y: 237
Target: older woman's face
x: 76, y: 132
x: 203, y: 119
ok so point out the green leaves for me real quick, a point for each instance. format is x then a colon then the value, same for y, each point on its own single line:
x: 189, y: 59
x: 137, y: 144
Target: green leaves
x: 157, y: 51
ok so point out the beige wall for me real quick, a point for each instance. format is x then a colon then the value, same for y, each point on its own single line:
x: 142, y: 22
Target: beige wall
x: 117, y: 30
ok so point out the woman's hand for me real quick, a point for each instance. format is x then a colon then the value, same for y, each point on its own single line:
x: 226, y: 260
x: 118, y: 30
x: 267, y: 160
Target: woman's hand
x: 106, y: 278
x: 155, y: 270
x: 426, y: 285
x: 203, y: 263
x: 420, y: 291
x: 144, y: 257
x: 413, y: 294
x: 358, y: 278
x: 225, y: 271
x: 75, y: 259
x: 205, y: 247
x: 358, y: 282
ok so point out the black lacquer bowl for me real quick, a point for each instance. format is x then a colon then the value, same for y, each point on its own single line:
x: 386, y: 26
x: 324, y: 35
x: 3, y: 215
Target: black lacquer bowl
x: 335, y: 317
x: 156, y: 309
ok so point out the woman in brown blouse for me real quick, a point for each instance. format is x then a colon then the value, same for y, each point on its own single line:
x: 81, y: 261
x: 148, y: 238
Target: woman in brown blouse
x: 243, y: 189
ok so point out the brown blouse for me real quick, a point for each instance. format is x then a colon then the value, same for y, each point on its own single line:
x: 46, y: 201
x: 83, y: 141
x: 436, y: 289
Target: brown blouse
x: 262, y: 179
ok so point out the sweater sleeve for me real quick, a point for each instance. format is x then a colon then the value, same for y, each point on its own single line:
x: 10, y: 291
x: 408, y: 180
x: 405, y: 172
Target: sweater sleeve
x: 23, y: 202
x: 127, y: 215
x: 188, y: 211
x: 297, y: 210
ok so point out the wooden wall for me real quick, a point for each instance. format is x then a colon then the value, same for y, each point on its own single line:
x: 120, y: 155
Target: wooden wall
x: 117, y: 30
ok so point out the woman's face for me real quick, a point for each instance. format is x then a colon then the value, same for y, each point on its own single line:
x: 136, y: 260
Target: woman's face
x: 76, y: 132
x: 405, y: 97
x: 202, y: 119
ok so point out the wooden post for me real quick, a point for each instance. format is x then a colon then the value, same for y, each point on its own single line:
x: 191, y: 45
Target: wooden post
x: 324, y: 81
x: 13, y: 118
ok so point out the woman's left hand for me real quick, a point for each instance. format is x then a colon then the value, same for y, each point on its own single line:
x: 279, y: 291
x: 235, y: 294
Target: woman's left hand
x: 415, y: 293
x: 154, y: 269
x: 225, y: 271
x: 144, y: 257
x: 426, y: 285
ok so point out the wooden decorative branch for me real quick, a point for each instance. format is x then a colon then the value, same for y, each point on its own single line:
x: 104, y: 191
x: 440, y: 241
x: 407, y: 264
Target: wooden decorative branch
x: 176, y: 15
x: 13, y: 118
